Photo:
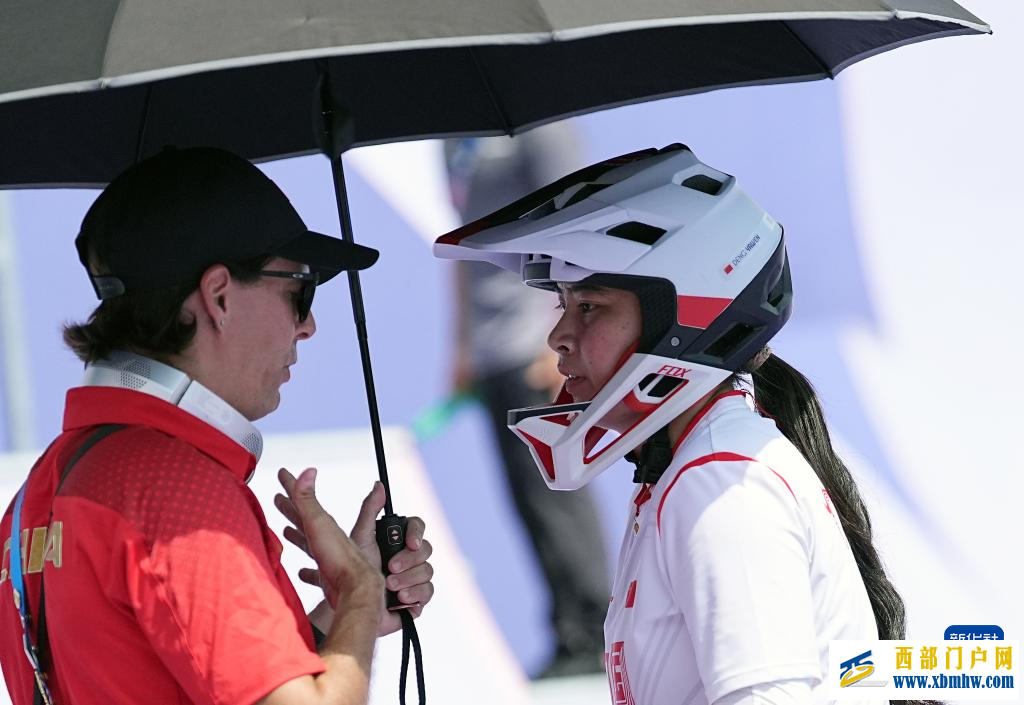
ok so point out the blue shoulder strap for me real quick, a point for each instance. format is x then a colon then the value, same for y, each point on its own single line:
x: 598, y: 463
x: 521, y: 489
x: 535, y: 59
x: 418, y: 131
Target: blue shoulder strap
x: 20, y: 601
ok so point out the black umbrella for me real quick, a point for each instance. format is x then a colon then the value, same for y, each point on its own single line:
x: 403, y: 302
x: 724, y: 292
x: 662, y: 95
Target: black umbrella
x: 89, y: 88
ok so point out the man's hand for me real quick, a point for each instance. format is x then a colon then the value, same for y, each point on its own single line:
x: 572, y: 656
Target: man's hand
x: 342, y: 568
x: 353, y: 587
x: 411, y: 573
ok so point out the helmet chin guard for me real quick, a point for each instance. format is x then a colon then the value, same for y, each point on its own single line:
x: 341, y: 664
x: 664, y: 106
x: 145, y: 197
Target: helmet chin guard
x: 647, y: 392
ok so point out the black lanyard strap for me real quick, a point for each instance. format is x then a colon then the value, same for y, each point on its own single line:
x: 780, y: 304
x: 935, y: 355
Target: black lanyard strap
x: 41, y: 649
x: 411, y: 637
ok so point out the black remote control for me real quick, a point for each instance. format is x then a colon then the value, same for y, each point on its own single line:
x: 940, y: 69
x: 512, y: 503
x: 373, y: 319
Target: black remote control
x: 391, y: 540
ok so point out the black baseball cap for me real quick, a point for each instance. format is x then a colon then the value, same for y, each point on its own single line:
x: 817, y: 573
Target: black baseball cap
x: 168, y: 218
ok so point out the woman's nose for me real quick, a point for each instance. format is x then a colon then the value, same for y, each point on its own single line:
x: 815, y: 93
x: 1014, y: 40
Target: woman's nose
x: 562, y: 338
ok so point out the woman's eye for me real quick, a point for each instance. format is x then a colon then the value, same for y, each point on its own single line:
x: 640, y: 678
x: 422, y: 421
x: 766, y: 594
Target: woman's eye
x: 586, y: 307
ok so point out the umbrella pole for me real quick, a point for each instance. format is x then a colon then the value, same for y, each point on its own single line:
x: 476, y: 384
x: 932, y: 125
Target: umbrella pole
x: 335, y: 135
x: 359, y: 315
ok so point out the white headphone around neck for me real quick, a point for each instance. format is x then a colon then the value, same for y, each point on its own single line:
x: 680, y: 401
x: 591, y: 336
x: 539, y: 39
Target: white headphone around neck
x: 126, y: 370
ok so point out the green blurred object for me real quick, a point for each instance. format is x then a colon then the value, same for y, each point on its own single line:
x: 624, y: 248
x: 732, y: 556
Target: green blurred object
x: 430, y: 422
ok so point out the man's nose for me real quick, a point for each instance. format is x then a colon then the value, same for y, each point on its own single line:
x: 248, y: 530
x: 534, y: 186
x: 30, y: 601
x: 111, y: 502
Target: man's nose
x: 307, y: 328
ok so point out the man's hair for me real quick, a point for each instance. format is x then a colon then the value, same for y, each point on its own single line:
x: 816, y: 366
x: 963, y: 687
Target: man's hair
x: 148, y: 321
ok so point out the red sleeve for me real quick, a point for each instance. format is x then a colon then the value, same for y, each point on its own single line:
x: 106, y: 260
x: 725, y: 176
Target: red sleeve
x: 204, y: 582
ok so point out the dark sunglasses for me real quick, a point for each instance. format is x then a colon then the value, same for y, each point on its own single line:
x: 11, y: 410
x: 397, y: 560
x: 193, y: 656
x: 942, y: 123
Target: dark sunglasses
x: 304, y: 301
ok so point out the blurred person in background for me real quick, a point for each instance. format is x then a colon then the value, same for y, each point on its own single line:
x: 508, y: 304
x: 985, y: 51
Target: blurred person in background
x: 502, y: 357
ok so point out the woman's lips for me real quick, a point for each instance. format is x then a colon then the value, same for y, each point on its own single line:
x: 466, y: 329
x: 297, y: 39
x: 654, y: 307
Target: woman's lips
x: 573, y: 384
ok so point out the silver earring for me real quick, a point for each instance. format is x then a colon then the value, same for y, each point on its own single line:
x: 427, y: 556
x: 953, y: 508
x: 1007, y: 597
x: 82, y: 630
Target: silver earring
x: 222, y: 323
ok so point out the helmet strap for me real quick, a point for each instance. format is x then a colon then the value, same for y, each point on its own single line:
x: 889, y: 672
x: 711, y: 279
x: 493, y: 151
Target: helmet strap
x: 653, y: 459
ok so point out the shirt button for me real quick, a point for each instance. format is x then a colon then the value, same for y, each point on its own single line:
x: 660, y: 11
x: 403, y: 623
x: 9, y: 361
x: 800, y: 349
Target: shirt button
x: 636, y: 527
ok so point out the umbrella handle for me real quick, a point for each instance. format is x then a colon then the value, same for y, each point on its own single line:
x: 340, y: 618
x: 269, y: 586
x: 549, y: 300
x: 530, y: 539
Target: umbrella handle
x: 391, y: 540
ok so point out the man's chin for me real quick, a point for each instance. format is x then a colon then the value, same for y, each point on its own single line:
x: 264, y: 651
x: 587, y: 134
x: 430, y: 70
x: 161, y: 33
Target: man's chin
x: 267, y: 408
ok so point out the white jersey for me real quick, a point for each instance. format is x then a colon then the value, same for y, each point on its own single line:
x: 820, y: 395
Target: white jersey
x: 734, y: 570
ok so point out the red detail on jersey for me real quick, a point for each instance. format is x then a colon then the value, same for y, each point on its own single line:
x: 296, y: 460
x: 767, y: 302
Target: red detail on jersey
x: 631, y: 595
x: 828, y: 501
x: 702, y: 413
x: 643, y: 497
x: 699, y: 311
x: 728, y: 268
x: 715, y: 458
x: 543, y: 452
x: 618, y: 679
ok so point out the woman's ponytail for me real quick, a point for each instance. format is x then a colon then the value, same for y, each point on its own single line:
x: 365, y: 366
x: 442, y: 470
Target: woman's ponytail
x: 789, y: 398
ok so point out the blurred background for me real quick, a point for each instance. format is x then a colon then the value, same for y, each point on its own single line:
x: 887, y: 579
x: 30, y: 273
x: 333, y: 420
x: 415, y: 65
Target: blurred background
x: 898, y: 190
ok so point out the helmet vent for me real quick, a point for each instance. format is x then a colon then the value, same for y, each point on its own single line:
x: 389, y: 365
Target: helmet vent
x: 704, y: 184
x: 731, y: 341
x: 637, y: 232
x: 777, y: 294
x: 660, y: 385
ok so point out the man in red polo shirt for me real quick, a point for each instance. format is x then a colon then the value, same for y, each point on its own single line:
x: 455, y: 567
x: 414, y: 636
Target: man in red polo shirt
x: 163, y: 582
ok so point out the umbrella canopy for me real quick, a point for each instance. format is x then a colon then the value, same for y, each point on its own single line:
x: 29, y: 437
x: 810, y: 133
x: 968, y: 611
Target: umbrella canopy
x: 88, y: 88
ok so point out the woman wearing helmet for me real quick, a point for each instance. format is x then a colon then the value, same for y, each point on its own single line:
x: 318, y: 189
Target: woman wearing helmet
x: 748, y: 547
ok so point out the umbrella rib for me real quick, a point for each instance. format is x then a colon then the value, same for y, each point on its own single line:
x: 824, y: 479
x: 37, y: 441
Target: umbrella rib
x: 490, y: 93
x: 817, y: 59
x: 141, y: 139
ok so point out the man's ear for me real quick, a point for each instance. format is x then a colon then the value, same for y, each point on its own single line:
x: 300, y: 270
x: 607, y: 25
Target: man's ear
x: 212, y: 296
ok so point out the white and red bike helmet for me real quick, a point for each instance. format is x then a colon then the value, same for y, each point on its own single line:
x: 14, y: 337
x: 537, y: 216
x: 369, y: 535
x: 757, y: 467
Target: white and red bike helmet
x: 708, y: 265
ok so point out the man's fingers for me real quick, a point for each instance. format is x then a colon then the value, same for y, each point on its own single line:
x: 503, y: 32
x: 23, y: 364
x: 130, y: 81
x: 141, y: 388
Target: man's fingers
x: 286, y: 479
x: 310, y: 576
x: 298, y: 538
x: 419, y: 595
x: 287, y: 509
x: 414, y: 532
x: 365, y: 526
x: 414, y: 576
x: 302, y: 493
x: 406, y: 559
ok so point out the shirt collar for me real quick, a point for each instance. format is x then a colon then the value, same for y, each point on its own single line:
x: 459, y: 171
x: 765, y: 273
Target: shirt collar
x: 119, y: 404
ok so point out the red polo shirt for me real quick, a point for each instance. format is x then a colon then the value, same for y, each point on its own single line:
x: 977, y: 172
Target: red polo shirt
x: 163, y: 580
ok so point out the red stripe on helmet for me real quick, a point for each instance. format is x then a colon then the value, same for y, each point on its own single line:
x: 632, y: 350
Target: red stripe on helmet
x: 458, y: 235
x: 543, y: 452
x: 699, y: 311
